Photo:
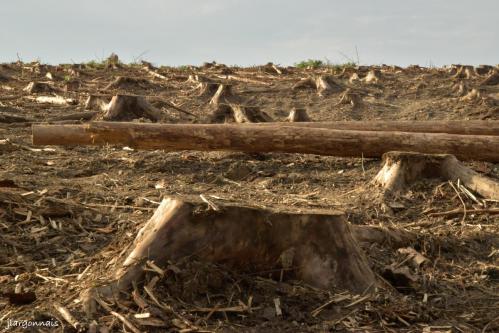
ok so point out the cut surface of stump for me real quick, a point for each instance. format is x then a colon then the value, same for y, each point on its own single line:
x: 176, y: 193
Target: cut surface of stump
x: 316, y: 247
x: 400, y: 169
x: 128, y: 107
x: 298, y: 115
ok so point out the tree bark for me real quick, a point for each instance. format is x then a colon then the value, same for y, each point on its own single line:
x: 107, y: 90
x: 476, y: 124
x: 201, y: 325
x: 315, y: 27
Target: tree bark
x: 466, y: 127
x: 254, y: 138
x: 316, y: 247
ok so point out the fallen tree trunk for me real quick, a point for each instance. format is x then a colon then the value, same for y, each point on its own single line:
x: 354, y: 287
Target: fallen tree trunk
x: 468, y: 127
x: 316, y: 247
x: 254, y: 138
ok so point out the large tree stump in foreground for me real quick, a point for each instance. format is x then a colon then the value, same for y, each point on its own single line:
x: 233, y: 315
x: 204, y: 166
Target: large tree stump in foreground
x: 403, y: 168
x: 317, y: 248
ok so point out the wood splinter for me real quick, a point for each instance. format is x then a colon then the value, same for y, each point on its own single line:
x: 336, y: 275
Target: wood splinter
x: 403, y: 168
x: 316, y: 247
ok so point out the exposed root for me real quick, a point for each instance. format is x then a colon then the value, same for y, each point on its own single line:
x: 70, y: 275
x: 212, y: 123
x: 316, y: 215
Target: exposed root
x: 298, y: 115
x: 473, y: 96
x: 460, y: 89
x: 400, y: 169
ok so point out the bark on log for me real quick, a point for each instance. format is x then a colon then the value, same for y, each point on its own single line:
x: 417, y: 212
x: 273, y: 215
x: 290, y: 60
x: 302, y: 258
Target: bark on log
x: 465, y: 127
x: 316, y: 247
x: 403, y: 168
x: 254, y: 138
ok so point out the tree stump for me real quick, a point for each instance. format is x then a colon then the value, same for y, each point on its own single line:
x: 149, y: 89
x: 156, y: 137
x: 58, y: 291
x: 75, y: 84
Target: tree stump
x: 234, y: 113
x: 323, y: 84
x: 400, y: 169
x: 298, y: 115
x: 38, y: 87
x: 128, y: 107
x: 94, y: 102
x: 373, y: 76
x: 316, y: 247
x: 483, y: 69
x: 123, y: 82
x: 352, y: 98
x: 223, y: 94
x: 491, y: 80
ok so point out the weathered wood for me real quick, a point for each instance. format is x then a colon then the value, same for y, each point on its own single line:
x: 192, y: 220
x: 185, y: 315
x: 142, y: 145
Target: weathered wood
x: 402, y: 168
x: 317, y: 247
x: 468, y: 127
x: 254, y: 138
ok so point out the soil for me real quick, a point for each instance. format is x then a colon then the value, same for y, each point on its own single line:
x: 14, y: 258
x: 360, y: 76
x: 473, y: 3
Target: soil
x: 68, y: 215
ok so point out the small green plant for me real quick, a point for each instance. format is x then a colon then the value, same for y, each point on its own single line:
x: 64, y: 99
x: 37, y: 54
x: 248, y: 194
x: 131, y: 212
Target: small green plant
x: 184, y: 67
x: 310, y: 63
x: 67, y: 78
x: 93, y: 64
x: 316, y: 63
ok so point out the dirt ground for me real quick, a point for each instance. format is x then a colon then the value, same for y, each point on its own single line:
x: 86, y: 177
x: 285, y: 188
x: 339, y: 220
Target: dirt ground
x: 69, y: 214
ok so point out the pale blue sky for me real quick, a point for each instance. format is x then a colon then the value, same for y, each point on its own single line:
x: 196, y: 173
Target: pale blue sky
x: 178, y: 32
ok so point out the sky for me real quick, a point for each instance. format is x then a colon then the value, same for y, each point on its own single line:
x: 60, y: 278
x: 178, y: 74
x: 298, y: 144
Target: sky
x: 251, y: 32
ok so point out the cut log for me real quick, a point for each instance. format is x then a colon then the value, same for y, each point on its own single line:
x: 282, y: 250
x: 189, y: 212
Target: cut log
x: 57, y: 100
x: 254, y: 138
x: 316, y: 247
x: 127, y: 107
x: 298, y: 115
x: 403, y: 168
x: 465, y: 127
x: 9, y: 118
